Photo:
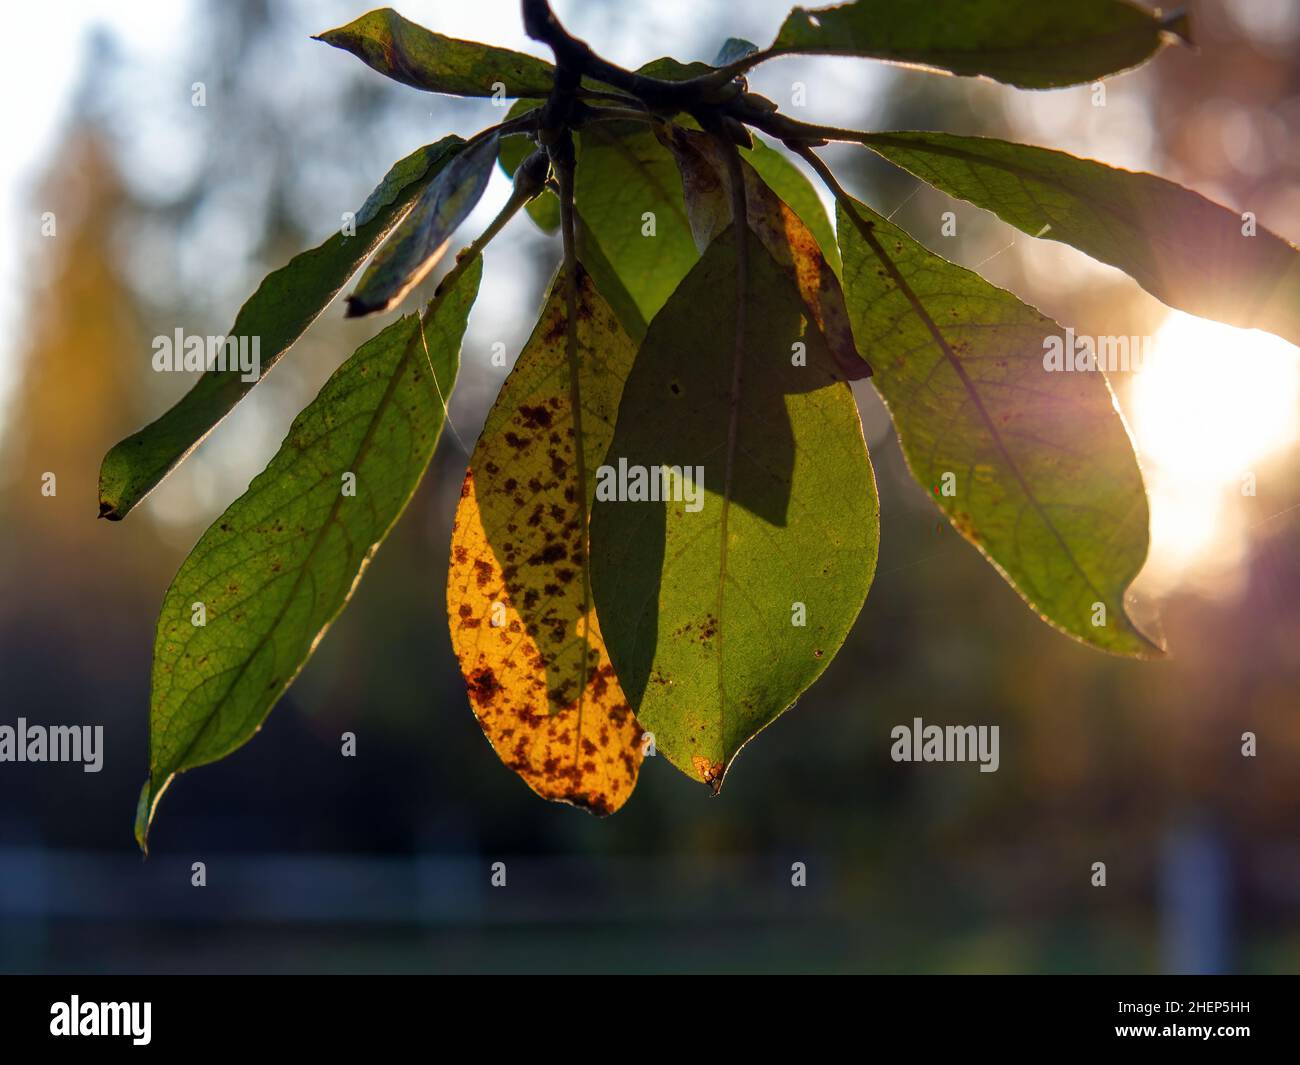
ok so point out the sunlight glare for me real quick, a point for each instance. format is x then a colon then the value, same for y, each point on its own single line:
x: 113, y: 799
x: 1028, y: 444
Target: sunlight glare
x: 1210, y: 406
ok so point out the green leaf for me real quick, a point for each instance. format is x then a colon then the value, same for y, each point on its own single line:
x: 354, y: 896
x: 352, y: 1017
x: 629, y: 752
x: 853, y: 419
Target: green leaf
x: 544, y: 209
x: 706, y: 183
x: 1185, y: 250
x: 519, y: 605
x: 277, y: 314
x: 700, y: 606
x: 608, y: 283
x: 666, y: 68
x: 784, y: 178
x: 407, y: 52
x: 623, y: 175
x: 1029, y: 43
x: 1034, y: 467
x: 422, y: 237
x: 277, y: 567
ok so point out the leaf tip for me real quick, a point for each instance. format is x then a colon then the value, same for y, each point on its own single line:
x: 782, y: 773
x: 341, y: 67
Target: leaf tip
x: 1153, y: 647
x: 598, y: 806
x: 1178, y: 23
x: 710, y: 773
x: 144, y: 811
x: 334, y: 38
x: 1141, y: 620
x: 357, y: 307
x: 143, y: 815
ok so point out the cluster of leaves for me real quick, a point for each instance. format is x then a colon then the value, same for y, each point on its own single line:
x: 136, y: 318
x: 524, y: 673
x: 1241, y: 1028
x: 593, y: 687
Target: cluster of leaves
x: 584, y: 626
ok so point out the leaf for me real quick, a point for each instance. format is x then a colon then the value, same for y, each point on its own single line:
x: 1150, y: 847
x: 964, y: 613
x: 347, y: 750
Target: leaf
x: 697, y: 605
x: 787, y: 240
x: 407, y: 52
x: 623, y: 174
x: 545, y: 211
x: 608, y: 283
x: 519, y: 605
x: 666, y: 68
x: 276, y: 315
x: 1185, y: 250
x: 733, y: 50
x: 797, y: 192
x: 419, y: 242
x: 1028, y: 43
x: 277, y: 567
x: 1041, y: 471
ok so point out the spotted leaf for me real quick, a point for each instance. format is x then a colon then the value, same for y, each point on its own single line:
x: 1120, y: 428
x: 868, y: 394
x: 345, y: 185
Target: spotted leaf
x: 523, y: 623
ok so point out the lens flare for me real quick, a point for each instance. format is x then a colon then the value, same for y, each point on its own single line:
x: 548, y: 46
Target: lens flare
x: 1211, y: 407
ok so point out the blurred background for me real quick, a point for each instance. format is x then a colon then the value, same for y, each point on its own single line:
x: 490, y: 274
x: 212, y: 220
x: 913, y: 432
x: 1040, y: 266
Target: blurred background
x: 169, y: 214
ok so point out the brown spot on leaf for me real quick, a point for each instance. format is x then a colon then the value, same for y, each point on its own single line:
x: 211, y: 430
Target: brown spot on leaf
x: 483, y: 686
x: 535, y: 417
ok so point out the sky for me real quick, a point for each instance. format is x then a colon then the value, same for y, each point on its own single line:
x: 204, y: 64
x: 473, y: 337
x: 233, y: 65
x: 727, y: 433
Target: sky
x: 42, y: 79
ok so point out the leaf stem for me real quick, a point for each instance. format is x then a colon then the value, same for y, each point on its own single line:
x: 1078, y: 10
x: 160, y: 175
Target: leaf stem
x: 525, y: 123
x: 741, y: 66
x: 620, y: 114
x: 530, y: 180
x: 788, y: 129
x: 613, y: 97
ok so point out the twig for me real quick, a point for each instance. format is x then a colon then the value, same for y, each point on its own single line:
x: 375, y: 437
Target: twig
x: 620, y: 114
x: 541, y: 24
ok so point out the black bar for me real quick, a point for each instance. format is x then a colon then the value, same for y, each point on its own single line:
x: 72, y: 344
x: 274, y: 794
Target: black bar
x: 339, y: 1015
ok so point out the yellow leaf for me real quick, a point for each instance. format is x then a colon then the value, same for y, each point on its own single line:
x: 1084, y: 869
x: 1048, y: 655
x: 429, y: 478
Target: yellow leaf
x: 523, y: 622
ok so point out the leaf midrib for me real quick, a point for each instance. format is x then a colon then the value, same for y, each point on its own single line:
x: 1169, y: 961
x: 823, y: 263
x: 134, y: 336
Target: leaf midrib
x: 969, y: 385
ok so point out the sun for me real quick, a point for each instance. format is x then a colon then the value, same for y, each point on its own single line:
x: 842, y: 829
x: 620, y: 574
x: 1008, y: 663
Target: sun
x: 1211, y: 406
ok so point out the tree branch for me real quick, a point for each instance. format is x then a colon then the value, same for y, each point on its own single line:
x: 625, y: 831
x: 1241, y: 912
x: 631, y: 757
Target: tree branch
x: 576, y: 56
